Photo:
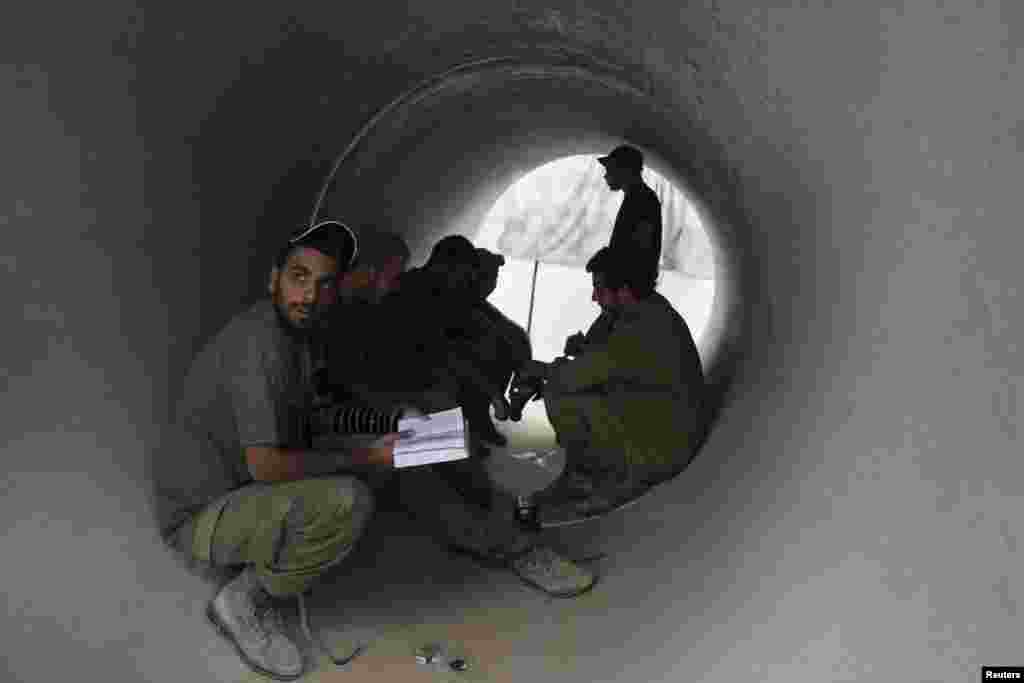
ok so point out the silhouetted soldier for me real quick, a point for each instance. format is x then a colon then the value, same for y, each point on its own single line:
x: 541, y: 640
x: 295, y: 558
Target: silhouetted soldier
x: 637, y: 229
x: 496, y: 342
x: 637, y: 232
x: 355, y: 349
x: 440, y: 301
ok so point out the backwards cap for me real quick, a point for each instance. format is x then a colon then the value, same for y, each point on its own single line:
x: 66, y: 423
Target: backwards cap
x: 331, y: 237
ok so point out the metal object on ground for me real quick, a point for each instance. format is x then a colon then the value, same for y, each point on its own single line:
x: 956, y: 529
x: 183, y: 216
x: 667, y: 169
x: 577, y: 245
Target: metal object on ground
x: 439, y: 657
x: 432, y: 653
x: 526, y: 511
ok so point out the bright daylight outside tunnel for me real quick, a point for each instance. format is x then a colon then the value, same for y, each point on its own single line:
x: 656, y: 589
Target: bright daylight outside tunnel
x: 547, y: 225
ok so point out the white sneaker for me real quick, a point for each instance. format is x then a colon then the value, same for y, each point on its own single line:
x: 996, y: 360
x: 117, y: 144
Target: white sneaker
x: 245, y: 614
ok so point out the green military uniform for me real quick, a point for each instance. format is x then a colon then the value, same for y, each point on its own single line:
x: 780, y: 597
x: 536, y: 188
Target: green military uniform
x: 635, y: 393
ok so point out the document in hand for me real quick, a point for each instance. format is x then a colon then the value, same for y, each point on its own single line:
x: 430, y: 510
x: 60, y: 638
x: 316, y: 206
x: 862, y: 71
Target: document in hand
x: 441, y: 438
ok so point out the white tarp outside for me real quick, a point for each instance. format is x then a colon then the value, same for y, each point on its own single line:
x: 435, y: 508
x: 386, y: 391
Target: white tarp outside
x: 563, y: 212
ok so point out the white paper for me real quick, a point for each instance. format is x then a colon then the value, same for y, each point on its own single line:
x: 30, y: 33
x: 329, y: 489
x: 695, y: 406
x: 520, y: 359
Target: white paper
x: 442, y: 444
x: 444, y: 422
x: 442, y: 438
x: 429, y: 457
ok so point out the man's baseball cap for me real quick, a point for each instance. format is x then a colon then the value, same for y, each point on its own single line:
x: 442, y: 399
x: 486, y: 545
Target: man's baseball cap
x: 624, y: 156
x: 452, y: 249
x: 331, y: 237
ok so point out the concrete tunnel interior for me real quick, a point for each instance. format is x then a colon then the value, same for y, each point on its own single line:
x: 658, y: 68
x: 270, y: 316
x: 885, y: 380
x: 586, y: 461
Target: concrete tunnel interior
x: 854, y: 513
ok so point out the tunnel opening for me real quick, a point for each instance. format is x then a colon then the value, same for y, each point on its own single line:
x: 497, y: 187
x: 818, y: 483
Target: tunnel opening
x: 551, y: 221
x: 447, y: 149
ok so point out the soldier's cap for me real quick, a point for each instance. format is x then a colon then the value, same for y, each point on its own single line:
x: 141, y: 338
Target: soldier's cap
x: 624, y: 156
x: 331, y: 237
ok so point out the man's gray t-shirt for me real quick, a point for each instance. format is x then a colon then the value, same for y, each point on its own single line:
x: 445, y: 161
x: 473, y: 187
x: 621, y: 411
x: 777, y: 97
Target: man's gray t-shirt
x: 249, y: 386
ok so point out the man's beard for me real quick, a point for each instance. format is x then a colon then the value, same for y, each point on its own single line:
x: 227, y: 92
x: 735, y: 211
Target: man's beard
x: 302, y: 330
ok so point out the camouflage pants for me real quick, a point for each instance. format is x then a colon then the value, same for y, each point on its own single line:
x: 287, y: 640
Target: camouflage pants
x: 290, y: 532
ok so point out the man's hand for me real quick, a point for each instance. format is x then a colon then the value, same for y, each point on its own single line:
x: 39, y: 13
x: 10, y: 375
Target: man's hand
x: 502, y: 409
x: 574, y: 344
x: 379, y: 452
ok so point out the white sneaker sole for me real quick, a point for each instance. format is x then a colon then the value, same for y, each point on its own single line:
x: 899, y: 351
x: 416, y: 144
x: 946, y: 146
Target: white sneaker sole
x: 211, y: 616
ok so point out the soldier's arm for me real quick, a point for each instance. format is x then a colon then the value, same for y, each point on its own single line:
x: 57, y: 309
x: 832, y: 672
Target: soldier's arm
x: 255, y: 398
x: 275, y: 464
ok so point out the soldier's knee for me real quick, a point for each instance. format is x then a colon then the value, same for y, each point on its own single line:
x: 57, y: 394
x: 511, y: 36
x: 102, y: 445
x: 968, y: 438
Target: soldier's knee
x: 361, y: 500
x: 345, y: 501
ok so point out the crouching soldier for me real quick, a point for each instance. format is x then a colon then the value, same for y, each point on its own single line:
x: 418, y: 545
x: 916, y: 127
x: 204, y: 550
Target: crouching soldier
x: 628, y: 409
x: 239, y: 485
x: 500, y: 346
x: 440, y: 306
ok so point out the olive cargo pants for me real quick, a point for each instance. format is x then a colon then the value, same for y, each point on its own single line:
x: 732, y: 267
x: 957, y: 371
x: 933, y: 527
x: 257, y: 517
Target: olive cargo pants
x: 597, y: 439
x: 291, y: 532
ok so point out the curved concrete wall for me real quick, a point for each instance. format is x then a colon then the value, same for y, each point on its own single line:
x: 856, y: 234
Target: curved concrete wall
x: 853, y: 516
x: 442, y: 153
